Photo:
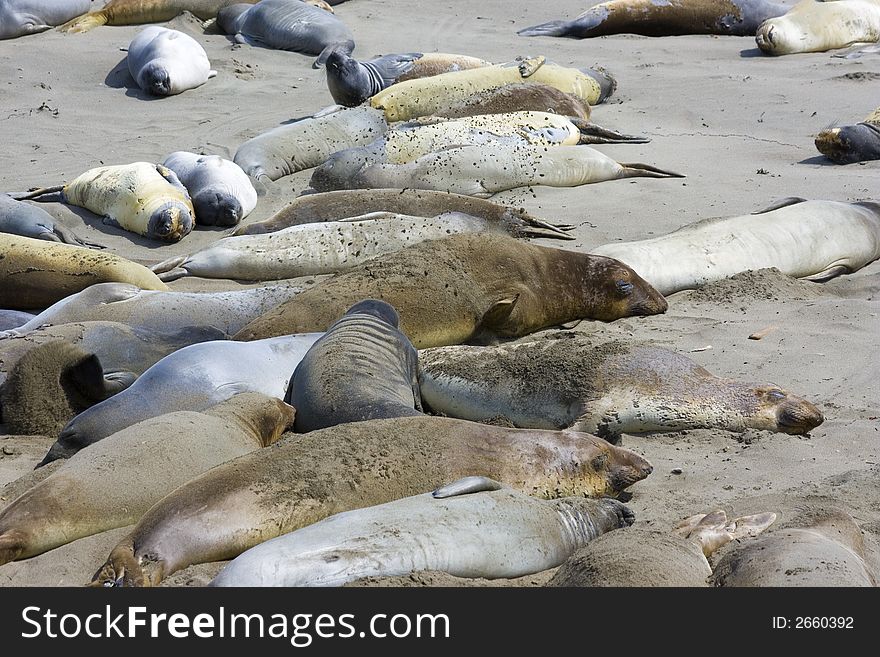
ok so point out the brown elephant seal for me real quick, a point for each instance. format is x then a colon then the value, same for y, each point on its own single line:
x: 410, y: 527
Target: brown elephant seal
x: 137, y: 12
x: 304, y: 478
x: 663, y: 18
x: 471, y: 287
x: 35, y: 273
x: 113, y: 483
x: 812, y: 26
x: 852, y: 143
x: 362, y: 368
x: 20, y: 218
x: 606, y: 388
x: 517, y: 97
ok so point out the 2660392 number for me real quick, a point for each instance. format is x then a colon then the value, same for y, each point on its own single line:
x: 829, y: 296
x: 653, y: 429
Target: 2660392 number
x: 823, y: 622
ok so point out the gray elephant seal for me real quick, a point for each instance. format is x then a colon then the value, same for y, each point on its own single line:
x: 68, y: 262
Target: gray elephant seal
x: 508, y: 534
x: 22, y: 17
x: 307, y: 477
x: 852, y: 143
x: 20, y: 218
x: 114, y: 482
x: 470, y: 287
x: 604, y: 388
x: 221, y: 193
x: 191, y: 379
x: 362, y: 368
x: 10, y: 319
x: 167, y: 62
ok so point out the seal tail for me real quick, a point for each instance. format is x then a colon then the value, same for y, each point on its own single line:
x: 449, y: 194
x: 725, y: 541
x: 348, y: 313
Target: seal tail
x: 552, y: 28
x: 345, y: 46
x: 69, y: 237
x: 34, y: 193
x: 539, y: 228
x: 85, y: 22
x: 596, y: 134
x: 639, y: 170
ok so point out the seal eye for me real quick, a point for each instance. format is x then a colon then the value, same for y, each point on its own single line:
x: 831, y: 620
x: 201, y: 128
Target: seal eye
x: 624, y: 287
x: 776, y: 395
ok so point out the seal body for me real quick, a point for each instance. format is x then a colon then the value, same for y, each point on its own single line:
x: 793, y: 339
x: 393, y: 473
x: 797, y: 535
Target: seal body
x: 221, y: 193
x: 470, y: 287
x: 23, y: 17
x: 166, y: 62
x: 604, y: 388
x: 10, y: 319
x: 490, y: 534
x: 517, y: 97
x: 136, y: 12
x: 815, y: 240
x: 362, y: 368
x: 852, y: 143
x: 812, y: 26
x: 114, y: 482
x: 305, y: 478
x: 664, y: 18
x: 20, y: 218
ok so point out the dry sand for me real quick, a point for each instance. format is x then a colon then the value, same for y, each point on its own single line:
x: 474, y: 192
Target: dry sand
x: 739, y: 124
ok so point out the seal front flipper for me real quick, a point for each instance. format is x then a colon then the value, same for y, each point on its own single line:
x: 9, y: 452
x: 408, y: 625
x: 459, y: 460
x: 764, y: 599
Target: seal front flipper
x: 465, y: 486
x: 495, y: 317
x: 172, y: 178
x: 639, y: 170
x: 781, y: 203
x: 34, y: 193
x: 529, y: 65
x: 828, y: 274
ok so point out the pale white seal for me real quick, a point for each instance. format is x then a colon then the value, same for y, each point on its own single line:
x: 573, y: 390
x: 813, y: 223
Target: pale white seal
x: 165, y: 62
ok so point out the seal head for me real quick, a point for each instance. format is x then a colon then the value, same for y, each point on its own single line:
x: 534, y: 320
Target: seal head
x: 851, y: 143
x: 349, y: 82
x: 216, y: 208
x: 620, y: 292
x: 377, y: 308
x: 154, y: 79
x: 170, y: 223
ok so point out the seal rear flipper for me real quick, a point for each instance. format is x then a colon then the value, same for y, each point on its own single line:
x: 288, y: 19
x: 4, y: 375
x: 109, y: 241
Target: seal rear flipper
x: 465, y: 486
x: 596, y: 134
x: 551, y: 28
x: 782, y: 203
x: 639, y: 170
x: 34, y: 193
x: 495, y: 317
x: 168, y: 265
x: 69, y: 237
x: 87, y: 377
x: 828, y: 274
x: 346, y: 47
x: 122, y: 568
x: 751, y: 526
x: 528, y: 66
x: 85, y: 22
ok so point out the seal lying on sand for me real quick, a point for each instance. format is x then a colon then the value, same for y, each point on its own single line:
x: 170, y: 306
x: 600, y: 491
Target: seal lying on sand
x: 470, y: 287
x: 10, y: 319
x: 814, y: 240
x: 522, y: 97
x: 113, y: 483
x: 506, y: 534
x: 21, y: 17
x: 221, y: 193
x: 166, y: 62
x: 606, y: 388
x: 304, y: 478
x: 136, y: 12
x: 851, y: 143
x: 19, y: 218
x: 191, y: 379
x: 812, y: 26
x: 667, y: 18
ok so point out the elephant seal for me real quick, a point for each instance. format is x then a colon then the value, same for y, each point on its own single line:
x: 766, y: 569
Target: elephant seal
x: 851, y: 143
x: 332, y: 206
x: 168, y: 311
x: 22, y: 17
x: 812, y: 26
x: 286, y: 25
x: 113, y: 483
x: 470, y: 287
x: 191, y: 379
x: 221, y: 193
x: 362, y: 368
x: 144, y: 198
x: 10, y: 319
x: 137, y: 12
x: 20, y: 218
x: 304, y: 478
x: 167, y: 62
x: 813, y: 240
x: 522, y: 97
x: 663, y: 18
x: 352, y: 82
x: 36, y: 273
x: 308, y: 142
x: 507, y: 534
x: 604, y: 388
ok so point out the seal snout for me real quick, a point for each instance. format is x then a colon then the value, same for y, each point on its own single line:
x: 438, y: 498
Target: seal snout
x: 170, y: 224
x: 217, y: 209
x: 798, y: 416
x: 852, y: 143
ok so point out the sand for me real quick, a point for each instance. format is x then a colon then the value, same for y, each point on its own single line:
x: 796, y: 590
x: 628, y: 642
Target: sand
x: 739, y: 124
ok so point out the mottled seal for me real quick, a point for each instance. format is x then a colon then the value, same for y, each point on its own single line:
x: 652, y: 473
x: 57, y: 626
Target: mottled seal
x: 471, y: 287
x: 10, y: 319
x: 304, y: 478
x: 144, y: 198
x: 852, y: 143
x: 113, y: 483
x: 20, y: 218
x: 814, y: 240
x: 191, y: 379
x: 22, y: 17
x: 521, y: 97
x: 606, y: 388
x: 136, y: 12
x: 362, y: 368
x: 166, y: 62
x: 35, y: 273
x: 812, y: 26
x: 663, y: 18
x: 221, y: 193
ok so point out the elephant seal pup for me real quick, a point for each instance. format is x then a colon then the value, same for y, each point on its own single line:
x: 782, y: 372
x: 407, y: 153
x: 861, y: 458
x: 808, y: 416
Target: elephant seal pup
x: 521, y: 97
x: 20, y: 218
x: 850, y: 143
x: 36, y: 273
x: 603, y: 388
x: 221, y: 193
x: 813, y: 240
x: 812, y: 26
x: 10, y: 319
x: 670, y: 18
x: 332, y: 206
x: 23, y: 17
x: 191, y: 379
x: 308, y: 142
x: 137, y: 12
x: 286, y: 25
x: 167, y: 62
x: 113, y: 483
x: 507, y: 534
x: 470, y: 287
x: 362, y: 368
x: 144, y: 198
x: 304, y: 478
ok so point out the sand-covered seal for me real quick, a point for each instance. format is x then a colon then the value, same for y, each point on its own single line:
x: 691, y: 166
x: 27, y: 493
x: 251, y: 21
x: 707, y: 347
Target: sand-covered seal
x: 22, y: 17
x: 470, y: 287
x: 191, y: 379
x: 469, y: 528
x: 606, y: 388
x: 517, y: 97
x: 113, y: 483
x: 137, y: 12
x: 166, y: 62
x: 663, y: 18
x: 813, y: 240
x: 812, y: 26
x: 851, y: 143
x: 35, y: 273
x: 362, y: 368
x: 20, y: 218
x: 221, y: 193
x: 304, y: 478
